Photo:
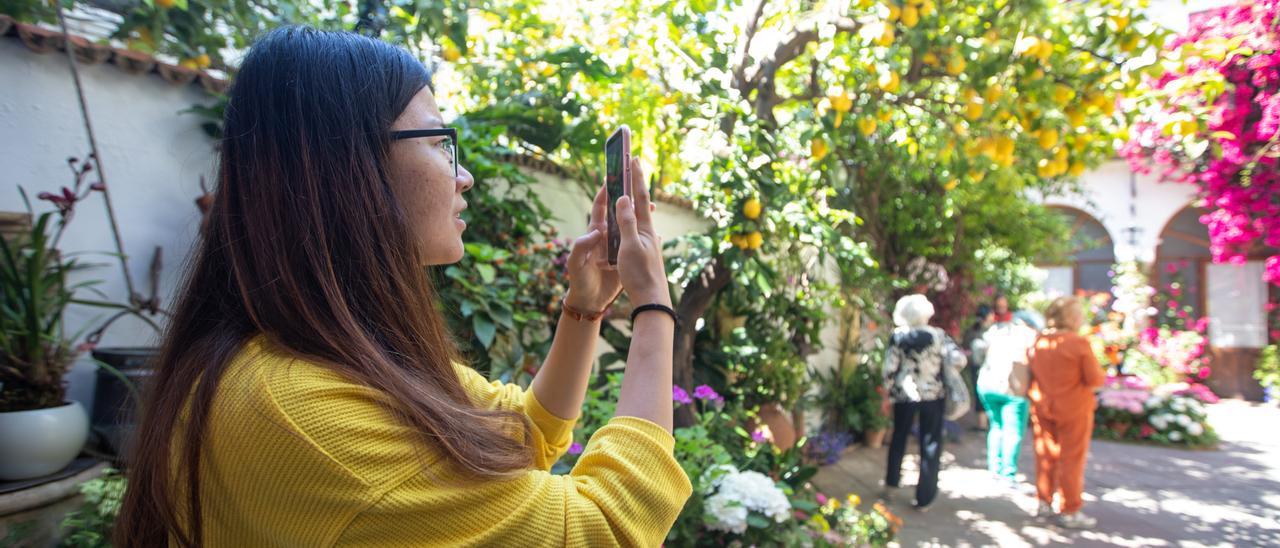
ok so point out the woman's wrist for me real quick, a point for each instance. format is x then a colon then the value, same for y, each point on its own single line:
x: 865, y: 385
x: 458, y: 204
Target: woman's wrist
x: 577, y: 309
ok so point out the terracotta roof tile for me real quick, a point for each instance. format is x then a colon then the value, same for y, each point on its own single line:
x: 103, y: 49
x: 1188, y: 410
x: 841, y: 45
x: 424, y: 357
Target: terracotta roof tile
x: 41, y: 40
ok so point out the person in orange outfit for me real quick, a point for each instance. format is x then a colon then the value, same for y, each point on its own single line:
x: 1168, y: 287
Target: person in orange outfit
x: 1064, y: 375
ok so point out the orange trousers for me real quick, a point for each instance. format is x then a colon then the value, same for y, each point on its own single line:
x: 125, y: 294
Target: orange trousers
x: 1062, y: 445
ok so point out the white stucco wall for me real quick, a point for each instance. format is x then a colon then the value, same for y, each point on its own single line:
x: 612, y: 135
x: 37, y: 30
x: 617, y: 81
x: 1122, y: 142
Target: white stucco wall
x: 153, y: 160
x: 1106, y: 196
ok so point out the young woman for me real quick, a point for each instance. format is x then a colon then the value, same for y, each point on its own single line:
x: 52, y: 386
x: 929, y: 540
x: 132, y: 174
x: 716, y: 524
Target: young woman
x: 308, y: 393
x: 913, y: 373
x: 1064, y: 375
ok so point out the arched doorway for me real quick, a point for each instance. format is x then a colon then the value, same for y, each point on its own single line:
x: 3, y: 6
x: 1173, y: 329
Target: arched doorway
x: 1231, y: 297
x: 1091, y: 258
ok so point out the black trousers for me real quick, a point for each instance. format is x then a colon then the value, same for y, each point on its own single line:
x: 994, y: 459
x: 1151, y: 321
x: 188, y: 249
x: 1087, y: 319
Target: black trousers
x: 930, y: 446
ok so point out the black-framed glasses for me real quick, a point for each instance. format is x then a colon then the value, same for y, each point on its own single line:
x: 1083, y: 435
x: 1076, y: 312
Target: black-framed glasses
x: 451, y: 145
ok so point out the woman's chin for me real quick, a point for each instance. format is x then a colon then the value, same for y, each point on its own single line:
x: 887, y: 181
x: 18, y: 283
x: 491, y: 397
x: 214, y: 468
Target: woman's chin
x: 452, y: 256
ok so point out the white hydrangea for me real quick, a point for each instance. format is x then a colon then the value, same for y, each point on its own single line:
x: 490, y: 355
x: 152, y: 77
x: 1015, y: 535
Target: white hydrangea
x: 738, y: 493
x: 1159, y: 421
x: 1183, y: 420
x: 1175, y: 436
x: 1154, y: 402
x: 1195, y: 429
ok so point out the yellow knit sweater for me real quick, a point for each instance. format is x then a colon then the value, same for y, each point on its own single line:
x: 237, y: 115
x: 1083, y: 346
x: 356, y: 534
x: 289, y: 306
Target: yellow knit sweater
x: 299, y: 456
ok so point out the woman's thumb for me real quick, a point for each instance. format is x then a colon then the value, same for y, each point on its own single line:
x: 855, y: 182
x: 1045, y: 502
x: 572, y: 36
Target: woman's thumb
x: 627, y: 217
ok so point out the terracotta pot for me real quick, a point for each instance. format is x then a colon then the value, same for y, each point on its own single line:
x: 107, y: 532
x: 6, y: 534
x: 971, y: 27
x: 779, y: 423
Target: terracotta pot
x: 780, y: 424
x: 874, y: 438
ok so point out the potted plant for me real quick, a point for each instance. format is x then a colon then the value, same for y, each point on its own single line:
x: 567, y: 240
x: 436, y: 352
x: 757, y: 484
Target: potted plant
x: 870, y: 398
x: 35, y: 350
x: 42, y: 431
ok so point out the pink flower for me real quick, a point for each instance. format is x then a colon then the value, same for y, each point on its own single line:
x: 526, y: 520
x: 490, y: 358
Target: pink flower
x: 1146, y: 431
x: 704, y: 392
x: 680, y: 396
x: 821, y: 498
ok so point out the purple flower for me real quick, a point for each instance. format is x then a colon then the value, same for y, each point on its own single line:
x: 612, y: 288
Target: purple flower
x: 705, y: 392
x: 575, y: 449
x: 680, y: 396
x: 761, y: 435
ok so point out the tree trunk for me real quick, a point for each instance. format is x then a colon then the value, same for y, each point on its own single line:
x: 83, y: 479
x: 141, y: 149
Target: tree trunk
x: 694, y: 301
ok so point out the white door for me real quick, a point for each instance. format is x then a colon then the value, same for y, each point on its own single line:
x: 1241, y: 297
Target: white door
x: 1236, y: 303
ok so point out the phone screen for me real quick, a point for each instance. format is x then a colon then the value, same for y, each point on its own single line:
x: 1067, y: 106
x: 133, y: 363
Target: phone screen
x: 615, y: 153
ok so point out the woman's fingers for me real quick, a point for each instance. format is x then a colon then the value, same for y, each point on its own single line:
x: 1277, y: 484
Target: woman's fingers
x: 627, y: 220
x: 581, y: 250
x: 599, y: 214
x: 640, y: 189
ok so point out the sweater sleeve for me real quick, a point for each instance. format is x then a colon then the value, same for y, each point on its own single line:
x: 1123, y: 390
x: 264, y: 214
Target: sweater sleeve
x: 626, y: 490
x: 552, y: 436
x: 1091, y: 374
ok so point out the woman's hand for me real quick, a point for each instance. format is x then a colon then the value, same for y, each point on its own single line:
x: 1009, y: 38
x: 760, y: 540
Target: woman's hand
x: 640, y: 265
x: 593, y: 282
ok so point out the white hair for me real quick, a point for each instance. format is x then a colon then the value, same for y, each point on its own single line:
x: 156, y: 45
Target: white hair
x: 912, y: 311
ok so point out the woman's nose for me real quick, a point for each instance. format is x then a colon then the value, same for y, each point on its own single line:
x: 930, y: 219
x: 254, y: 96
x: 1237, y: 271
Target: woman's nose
x: 465, y: 180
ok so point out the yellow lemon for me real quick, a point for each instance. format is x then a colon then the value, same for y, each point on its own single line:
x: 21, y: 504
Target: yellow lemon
x: 751, y: 209
x: 638, y: 73
x: 739, y: 241
x: 1076, y: 169
x: 203, y: 60
x: 1107, y: 106
x: 885, y: 116
x: 973, y: 111
x: 841, y: 103
x: 955, y: 65
x: 993, y: 93
x: 1076, y: 117
x: 1130, y: 44
x: 451, y: 54
x: 867, y: 126
x: 755, y: 240
x: 1062, y: 94
x: 818, y: 149
x: 886, y: 38
x: 987, y: 147
x: 1121, y: 21
x: 928, y: 8
x: 931, y: 59
x: 910, y: 16
x: 889, y: 82
x: 894, y: 10
x: 1045, y: 50
x: 189, y: 64
x: 951, y: 184
x: 1048, y: 138
x: 1004, y: 146
x: 1044, y: 168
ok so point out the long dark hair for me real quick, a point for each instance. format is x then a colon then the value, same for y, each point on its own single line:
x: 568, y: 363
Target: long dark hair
x: 306, y: 244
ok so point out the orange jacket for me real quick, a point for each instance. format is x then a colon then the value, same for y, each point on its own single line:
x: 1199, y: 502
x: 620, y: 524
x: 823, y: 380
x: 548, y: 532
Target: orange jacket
x: 1064, y: 374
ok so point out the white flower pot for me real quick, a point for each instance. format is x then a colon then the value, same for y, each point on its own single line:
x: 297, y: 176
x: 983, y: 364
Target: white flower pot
x: 41, y: 441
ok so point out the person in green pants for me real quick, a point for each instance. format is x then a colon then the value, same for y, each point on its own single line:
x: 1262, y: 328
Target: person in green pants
x: 1002, y: 389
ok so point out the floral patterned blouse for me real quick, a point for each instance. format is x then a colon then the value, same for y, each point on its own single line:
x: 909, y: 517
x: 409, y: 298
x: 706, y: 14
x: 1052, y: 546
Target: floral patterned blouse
x: 914, y: 361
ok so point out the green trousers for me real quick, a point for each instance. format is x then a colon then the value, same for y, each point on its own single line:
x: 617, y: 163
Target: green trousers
x: 1008, y: 418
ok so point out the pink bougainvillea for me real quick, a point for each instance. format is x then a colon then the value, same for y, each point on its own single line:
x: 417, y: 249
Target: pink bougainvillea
x: 1213, y: 120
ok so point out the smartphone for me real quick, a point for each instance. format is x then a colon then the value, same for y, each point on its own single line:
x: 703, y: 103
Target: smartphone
x: 617, y: 182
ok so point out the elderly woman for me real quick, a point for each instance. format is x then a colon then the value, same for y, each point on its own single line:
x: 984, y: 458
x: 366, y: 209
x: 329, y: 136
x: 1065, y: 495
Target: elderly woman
x: 1064, y: 374
x: 913, y: 371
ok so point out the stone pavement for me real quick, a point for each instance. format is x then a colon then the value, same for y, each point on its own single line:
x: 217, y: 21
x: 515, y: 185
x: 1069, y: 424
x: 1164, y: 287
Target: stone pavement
x: 1141, y: 495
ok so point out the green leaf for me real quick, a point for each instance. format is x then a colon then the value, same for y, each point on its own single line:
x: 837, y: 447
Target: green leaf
x: 484, y: 328
x: 487, y: 272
